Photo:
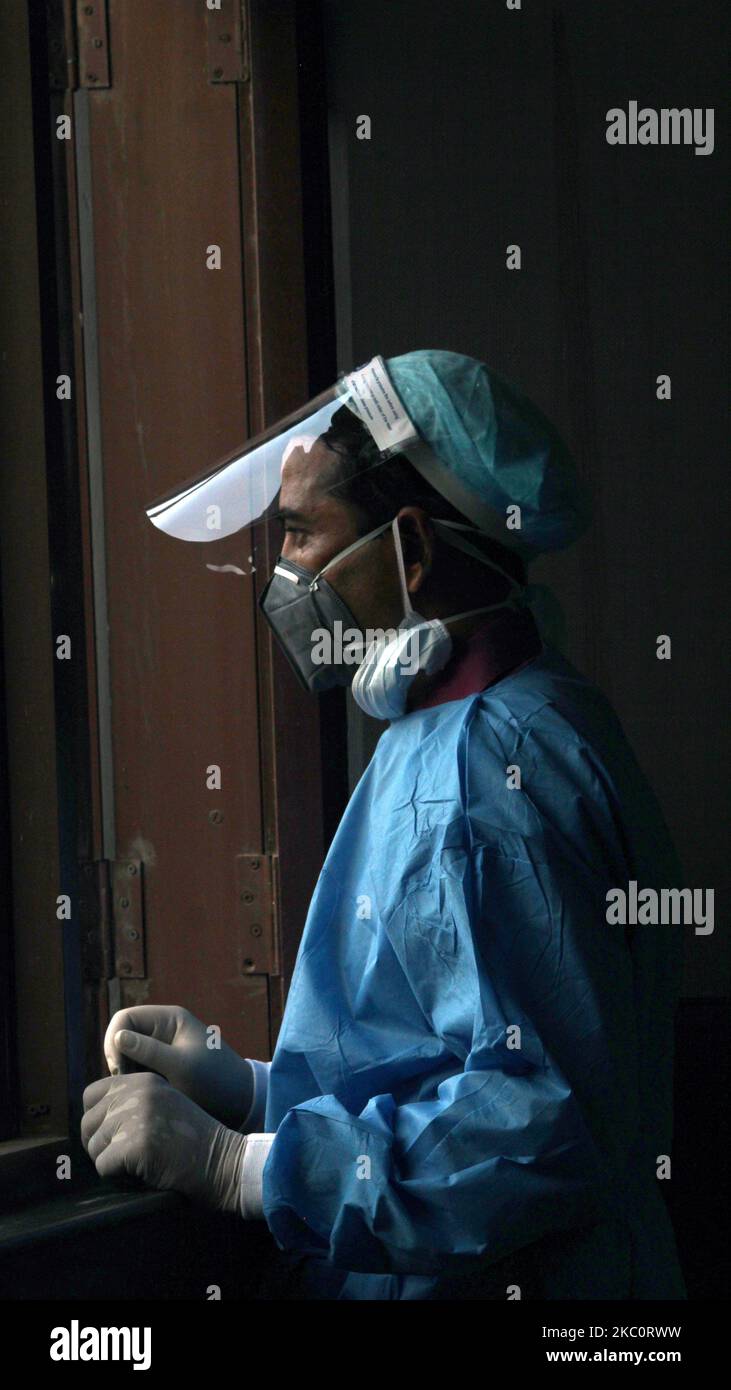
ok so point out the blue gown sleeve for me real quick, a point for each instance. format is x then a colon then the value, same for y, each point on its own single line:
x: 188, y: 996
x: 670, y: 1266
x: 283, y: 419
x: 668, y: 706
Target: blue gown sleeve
x: 494, y: 1149
x: 500, y: 1162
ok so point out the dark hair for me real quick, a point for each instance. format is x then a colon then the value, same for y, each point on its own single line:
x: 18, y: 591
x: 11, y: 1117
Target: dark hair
x: 377, y: 489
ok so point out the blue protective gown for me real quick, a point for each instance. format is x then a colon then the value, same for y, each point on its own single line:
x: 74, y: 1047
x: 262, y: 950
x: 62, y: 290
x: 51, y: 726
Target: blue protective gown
x: 419, y: 1152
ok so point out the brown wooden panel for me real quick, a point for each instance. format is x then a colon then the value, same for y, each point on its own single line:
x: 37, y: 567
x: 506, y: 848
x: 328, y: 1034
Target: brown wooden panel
x: 173, y: 387
x: 277, y: 348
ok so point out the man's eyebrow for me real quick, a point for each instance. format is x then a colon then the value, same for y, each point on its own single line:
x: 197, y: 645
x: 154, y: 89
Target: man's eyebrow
x: 289, y: 514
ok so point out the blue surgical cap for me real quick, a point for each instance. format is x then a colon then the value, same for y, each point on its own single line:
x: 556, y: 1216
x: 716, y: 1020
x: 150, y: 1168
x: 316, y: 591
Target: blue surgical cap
x: 488, y: 447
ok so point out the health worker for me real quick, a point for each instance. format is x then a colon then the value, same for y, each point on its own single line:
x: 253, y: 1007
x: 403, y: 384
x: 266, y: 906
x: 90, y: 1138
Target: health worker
x: 470, y: 1093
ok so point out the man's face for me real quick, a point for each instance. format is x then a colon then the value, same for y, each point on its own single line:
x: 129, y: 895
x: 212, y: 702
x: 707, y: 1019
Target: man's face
x: 317, y: 526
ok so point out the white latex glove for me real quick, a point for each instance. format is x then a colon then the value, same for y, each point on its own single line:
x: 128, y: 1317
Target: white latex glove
x: 139, y: 1126
x: 165, y: 1038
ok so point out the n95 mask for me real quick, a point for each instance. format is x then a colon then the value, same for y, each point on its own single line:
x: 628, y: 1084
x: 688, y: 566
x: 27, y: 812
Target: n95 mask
x: 313, y: 625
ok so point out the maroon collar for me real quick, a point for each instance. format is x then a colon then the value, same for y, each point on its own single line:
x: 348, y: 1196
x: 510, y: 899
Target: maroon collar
x: 505, y: 642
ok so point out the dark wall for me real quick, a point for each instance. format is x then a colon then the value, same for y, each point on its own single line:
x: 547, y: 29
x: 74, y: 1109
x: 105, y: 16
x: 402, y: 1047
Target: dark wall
x: 488, y: 129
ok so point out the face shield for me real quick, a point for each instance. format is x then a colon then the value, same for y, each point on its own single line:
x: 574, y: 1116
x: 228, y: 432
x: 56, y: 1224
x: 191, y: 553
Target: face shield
x: 316, y: 630
x: 244, y: 487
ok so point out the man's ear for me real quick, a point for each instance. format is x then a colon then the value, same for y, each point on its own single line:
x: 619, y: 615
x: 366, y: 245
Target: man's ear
x: 417, y: 543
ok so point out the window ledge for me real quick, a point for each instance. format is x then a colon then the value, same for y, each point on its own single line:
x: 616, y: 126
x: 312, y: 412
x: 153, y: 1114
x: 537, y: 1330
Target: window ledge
x: 79, y: 1211
x: 10, y: 1147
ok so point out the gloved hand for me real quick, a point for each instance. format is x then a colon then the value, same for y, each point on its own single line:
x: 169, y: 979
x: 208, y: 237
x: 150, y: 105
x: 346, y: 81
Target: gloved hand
x: 165, y: 1038
x: 141, y: 1127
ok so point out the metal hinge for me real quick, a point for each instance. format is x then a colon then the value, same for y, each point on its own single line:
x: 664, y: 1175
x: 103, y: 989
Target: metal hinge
x: 228, y: 41
x: 78, y: 44
x: 257, y: 886
x: 112, y: 920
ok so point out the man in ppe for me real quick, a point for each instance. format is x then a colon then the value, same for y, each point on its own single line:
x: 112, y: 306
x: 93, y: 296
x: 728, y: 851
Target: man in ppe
x: 470, y: 1094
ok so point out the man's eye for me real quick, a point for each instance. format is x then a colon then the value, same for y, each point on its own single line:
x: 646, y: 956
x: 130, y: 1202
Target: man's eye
x: 292, y: 531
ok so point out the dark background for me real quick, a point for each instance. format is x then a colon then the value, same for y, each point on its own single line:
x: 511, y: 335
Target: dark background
x: 488, y: 130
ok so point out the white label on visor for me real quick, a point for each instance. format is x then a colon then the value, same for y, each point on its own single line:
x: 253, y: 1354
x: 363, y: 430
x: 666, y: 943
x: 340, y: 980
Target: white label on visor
x: 375, y: 399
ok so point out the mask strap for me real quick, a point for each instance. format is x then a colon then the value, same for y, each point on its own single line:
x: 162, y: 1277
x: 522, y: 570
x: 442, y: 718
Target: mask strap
x: 510, y: 602
x: 408, y: 608
x: 513, y: 599
x: 461, y: 543
x: 355, y: 545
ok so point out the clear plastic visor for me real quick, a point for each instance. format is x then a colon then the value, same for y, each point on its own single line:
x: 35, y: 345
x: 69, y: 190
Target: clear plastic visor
x: 244, y: 487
